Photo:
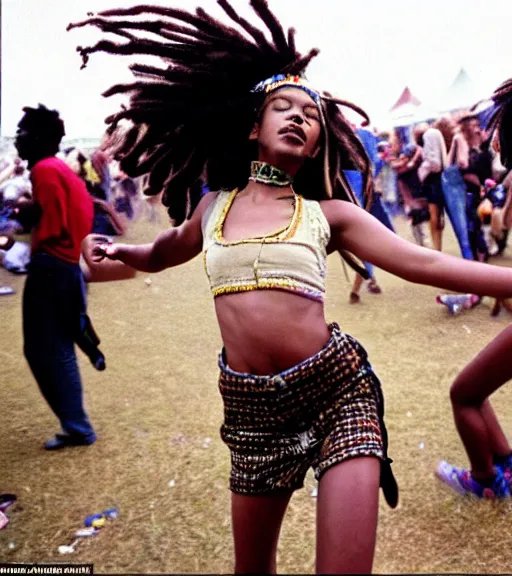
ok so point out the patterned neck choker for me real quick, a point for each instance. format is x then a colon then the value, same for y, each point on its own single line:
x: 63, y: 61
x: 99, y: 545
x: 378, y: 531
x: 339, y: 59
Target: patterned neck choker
x: 270, y: 175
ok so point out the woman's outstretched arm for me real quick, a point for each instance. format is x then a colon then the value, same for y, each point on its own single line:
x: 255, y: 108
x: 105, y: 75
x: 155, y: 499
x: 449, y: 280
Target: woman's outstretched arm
x: 170, y: 248
x: 356, y: 231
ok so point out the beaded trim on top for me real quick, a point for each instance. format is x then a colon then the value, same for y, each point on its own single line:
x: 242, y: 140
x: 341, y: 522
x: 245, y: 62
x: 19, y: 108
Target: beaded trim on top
x: 270, y: 175
x: 278, y: 236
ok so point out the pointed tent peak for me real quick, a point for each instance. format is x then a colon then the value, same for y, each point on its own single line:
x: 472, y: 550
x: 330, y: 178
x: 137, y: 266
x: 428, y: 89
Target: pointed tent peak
x: 407, y: 97
x: 462, y: 93
x: 461, y: 78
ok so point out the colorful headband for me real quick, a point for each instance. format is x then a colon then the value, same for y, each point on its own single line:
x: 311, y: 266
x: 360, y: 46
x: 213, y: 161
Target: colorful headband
x: 281, y: 80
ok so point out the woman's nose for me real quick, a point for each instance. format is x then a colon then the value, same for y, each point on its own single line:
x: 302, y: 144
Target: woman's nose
x: 298, y: 119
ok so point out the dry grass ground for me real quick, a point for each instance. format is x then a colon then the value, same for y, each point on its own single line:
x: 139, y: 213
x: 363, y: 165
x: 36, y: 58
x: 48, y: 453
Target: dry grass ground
x: 157, y: 403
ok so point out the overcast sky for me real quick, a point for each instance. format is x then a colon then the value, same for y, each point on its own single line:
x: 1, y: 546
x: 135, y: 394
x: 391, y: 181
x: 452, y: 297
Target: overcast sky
x: 370, y: 49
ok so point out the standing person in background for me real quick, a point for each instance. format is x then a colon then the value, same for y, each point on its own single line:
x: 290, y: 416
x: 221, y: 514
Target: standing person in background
x: 429, y: 173
x: 406, y: 161
x: 385, y: 181
x: 462, y: 195
x: 53, y: 301
x: 454, y: 186
x: 376, y: 208
x: 475, y: 166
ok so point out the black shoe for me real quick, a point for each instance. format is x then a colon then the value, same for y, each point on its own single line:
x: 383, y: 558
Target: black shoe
x: 98, y: 361
x: 100, y: 364
x: 64, y: 440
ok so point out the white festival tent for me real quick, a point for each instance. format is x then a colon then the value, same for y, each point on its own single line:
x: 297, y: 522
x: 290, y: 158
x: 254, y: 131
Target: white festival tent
x: 462, y: 94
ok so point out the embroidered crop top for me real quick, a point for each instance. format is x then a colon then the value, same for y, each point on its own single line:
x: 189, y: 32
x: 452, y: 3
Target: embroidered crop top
x: 293, y: 259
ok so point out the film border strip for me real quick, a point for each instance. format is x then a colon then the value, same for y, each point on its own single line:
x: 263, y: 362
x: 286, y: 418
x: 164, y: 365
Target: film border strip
x: 46, y: 569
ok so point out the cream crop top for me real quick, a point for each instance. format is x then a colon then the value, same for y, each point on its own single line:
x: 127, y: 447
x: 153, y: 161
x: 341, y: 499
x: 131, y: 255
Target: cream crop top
x: 293, y: 259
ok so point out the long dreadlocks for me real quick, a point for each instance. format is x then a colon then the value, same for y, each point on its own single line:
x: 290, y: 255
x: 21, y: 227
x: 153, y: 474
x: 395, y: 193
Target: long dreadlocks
x: 501, y: 120
x: 191, y: 118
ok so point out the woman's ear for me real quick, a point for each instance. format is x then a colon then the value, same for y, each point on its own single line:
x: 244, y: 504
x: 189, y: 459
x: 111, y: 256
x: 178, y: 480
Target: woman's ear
x: 255, y: 132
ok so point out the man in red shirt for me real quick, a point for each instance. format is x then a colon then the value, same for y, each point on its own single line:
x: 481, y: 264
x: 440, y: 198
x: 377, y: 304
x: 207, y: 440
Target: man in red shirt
x: 54, y: 317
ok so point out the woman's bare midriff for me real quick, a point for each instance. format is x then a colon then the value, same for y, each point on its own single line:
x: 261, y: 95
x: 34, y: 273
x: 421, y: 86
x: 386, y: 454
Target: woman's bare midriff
x: 267, y: 331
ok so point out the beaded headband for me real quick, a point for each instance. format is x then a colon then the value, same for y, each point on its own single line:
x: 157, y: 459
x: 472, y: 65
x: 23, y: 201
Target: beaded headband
x: 282, y: 80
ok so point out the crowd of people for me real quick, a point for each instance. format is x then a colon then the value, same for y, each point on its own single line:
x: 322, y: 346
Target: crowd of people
x: 414, y: 175
x: 451, y: 168
x: 287, y: 171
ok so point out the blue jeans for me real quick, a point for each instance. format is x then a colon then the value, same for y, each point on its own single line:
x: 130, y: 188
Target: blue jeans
x: 378, y: 210
x: 53, y: 309
x: 475, y: 232
x: 454, y: 191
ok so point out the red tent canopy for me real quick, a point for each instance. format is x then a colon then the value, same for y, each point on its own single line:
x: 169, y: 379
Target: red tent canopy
x: 407, y: 97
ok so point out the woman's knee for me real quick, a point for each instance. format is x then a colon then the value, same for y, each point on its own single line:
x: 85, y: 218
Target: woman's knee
x: 461, y: 393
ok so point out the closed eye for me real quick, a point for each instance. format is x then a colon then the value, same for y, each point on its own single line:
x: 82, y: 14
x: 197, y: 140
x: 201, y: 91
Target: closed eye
x: 312, y: 112
x: 282, y: 104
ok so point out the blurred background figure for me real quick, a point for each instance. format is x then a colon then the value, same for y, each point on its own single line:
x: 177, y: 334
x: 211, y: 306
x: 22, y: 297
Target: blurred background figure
x: 376, y: 207
x: 386, y: 181
x: 474, y: 160
x: 126, y: 196
x: 106, y: 220
x: 405, y: 160
x: 434, y: 161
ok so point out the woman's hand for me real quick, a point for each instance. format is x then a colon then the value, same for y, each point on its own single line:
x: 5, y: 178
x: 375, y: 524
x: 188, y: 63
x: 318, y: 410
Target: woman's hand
x: 103, y: 248
x: 171, y: 248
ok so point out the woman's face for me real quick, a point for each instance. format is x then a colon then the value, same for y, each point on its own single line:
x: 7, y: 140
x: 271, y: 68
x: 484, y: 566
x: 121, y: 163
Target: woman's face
x: 289, y: 129
x: 472, y: 131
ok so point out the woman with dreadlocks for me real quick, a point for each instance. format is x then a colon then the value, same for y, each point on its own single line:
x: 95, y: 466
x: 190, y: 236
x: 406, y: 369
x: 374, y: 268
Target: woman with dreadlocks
x: 487, y: 447
x: 297, y: 392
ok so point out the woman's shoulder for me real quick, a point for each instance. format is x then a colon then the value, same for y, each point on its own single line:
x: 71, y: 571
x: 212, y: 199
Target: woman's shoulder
x: 314, y: 206
x: 336, y: 211
x: 211, y: 198
x: 312, y: 211
x: 211, y: 204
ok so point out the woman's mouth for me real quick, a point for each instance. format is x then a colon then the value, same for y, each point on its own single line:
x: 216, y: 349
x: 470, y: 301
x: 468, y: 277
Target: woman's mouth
x: 294, y: 134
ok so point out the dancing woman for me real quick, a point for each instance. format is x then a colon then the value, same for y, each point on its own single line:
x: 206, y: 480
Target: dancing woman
x: 297, y: 392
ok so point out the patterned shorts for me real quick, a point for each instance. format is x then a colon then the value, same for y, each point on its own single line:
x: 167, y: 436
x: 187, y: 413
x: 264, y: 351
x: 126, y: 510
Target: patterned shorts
x: 327, y: 409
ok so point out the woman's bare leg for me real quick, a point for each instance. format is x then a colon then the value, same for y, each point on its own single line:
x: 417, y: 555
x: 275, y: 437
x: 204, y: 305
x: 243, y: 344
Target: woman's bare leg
x: 497, y: 223
x: 476, y: 423
x: 436, y: 230
x: 358, y: 282
x: 256, y: 525
x: 498, y: 440
x: 347, y: 512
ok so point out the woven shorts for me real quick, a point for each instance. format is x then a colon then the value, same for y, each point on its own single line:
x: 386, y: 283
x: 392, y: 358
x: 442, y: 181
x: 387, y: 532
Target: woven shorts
x: 323, y: 411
